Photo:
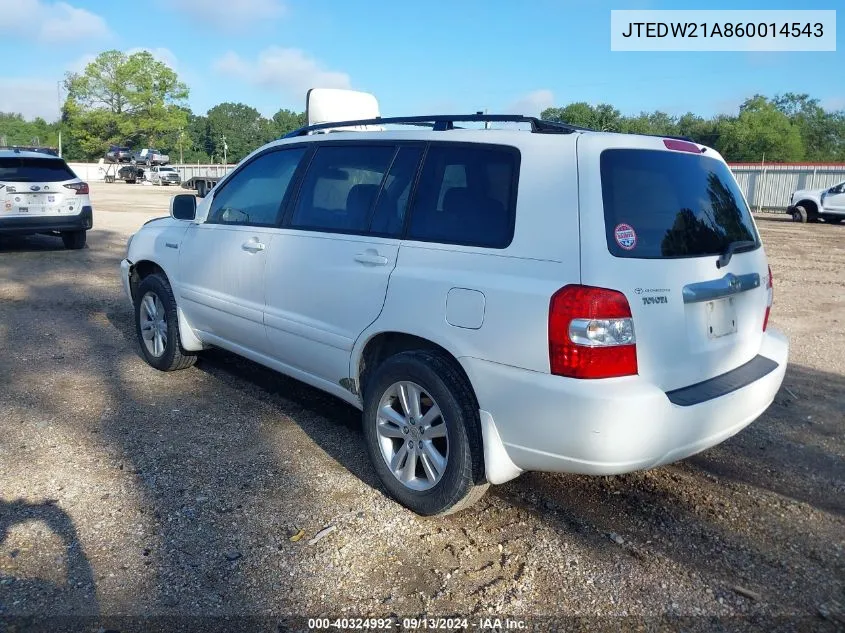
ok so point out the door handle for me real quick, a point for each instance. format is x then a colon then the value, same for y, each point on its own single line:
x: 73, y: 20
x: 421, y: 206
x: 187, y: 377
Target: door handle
x: 253, y: 246
x: 371, y: 257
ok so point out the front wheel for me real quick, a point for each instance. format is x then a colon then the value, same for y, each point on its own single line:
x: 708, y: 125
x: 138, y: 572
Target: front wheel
x: 799, y: 214
x: 157, y: 325
x: 423, y: 433
x: 74, y: 240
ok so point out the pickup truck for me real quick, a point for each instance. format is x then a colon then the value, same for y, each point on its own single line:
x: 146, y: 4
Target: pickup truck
x: 163, y: 176
x: 811, y: 205
x: 150, y: 157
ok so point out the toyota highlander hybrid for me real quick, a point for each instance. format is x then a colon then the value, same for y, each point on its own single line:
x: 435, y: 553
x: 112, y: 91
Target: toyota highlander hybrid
x: 519, y: 296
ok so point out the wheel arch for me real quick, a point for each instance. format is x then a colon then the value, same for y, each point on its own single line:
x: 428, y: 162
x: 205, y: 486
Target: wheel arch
x: 810, y: 205
x: 380, y: 345
x: 142, y: 269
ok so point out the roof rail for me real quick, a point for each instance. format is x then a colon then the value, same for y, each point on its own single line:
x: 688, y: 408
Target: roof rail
x: 439, y: 122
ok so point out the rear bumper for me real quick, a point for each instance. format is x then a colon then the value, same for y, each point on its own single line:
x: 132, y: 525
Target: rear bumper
x: 82, y: 221
x: 612, y: 426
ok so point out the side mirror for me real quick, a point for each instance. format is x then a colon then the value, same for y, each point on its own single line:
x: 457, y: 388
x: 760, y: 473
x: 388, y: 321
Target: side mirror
x: 183, y: 206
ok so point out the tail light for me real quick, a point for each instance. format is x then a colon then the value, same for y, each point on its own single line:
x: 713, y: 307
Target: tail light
x: 771, y: 292
x: 591, y: 333
x: 80, y: 187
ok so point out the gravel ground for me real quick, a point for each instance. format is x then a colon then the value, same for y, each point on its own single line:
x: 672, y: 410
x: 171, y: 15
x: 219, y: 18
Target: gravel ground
x: 128, y: 492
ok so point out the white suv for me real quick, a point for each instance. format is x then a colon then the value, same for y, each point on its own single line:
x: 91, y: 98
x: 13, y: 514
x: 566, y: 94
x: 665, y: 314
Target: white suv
x: 494, y: 300
x: 39, y: 193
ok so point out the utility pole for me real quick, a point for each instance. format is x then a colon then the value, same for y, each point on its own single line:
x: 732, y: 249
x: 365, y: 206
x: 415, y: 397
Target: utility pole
x: 181, y: 134
x: 59, y: 96
x: 225, y: 150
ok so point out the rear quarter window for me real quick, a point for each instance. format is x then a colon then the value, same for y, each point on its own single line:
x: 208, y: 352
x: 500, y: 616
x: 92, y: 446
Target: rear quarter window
x: 662, y: 204
x: 466, y: 195
x: 28, y: 169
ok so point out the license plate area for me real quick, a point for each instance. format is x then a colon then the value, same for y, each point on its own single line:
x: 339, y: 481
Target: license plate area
x: 721, y: 317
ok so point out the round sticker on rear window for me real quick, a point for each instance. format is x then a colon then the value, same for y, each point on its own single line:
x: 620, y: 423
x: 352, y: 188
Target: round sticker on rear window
x: 625, y: 236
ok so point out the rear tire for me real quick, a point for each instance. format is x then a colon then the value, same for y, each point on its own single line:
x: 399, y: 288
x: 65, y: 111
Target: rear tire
x: 799, y: 214
x: 435, y: 483
x: 74, y: 240
x: 157, y: 325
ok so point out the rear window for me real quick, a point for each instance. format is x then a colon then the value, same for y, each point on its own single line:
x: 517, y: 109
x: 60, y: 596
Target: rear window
x: 26, y: 169
x: 660, y: 204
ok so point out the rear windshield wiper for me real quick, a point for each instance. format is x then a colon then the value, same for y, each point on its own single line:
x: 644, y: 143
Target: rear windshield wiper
x: 734, y: 247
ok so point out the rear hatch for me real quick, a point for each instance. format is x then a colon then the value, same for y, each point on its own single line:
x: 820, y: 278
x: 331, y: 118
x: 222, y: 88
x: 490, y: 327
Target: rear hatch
x: 31, y: 186
x: 655, y: 223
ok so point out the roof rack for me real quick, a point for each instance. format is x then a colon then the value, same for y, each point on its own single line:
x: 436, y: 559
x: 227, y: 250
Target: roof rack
x: 440, y: 122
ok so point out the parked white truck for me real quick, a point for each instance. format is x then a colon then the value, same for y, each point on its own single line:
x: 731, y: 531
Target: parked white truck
x: 810, y: 205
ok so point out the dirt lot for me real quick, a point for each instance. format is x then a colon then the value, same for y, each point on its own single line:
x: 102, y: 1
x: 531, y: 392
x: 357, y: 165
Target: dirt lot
x: 128, y: 492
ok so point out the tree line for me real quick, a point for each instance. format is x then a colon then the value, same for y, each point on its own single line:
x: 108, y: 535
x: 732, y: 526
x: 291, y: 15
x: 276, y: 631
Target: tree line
x: 138, y: 101
x: 786, y: 128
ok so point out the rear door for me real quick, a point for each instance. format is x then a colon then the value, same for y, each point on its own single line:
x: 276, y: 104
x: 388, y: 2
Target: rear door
x: 328, y: 268
x: 654, y: 222
x: 34, y: 186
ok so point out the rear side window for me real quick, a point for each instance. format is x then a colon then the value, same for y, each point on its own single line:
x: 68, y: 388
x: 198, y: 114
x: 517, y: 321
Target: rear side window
x: 341, y: 186
x: 26, y: 169
x: 466, y: 195
x: 660, y: 204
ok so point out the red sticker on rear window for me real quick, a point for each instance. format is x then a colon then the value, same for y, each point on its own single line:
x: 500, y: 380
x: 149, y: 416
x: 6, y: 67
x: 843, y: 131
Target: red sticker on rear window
x: 625, y: 236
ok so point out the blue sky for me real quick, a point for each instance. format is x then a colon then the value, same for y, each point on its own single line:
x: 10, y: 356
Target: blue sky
x: 418, y: 58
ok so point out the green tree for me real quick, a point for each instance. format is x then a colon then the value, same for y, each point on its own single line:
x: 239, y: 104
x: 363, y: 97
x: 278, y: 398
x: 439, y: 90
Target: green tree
x: 602, y: 117
x: 124, y: 99
x: 579, y: 113
x: 242, y: 126
x: 704, y: 131
x: 822, y: 131
x: 760, y: 131
x: 15, y: 130
x: 198, y: 143
x: 285, y: 121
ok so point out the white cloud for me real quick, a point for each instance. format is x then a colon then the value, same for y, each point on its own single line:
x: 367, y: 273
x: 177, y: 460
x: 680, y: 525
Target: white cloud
x: 228, y: 15
x: 51, y: 22
x: 79, y: 64
x: 288, y: 70
x: 30, y: 97
x: 533, y: 103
